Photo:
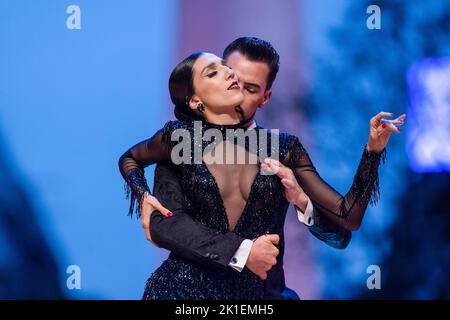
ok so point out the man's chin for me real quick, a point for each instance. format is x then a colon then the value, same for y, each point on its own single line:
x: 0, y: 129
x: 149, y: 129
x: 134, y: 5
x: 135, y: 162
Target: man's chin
x: 247, y: 121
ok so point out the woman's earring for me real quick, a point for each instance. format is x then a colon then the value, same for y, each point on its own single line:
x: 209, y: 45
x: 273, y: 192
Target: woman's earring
x: 201, y: 107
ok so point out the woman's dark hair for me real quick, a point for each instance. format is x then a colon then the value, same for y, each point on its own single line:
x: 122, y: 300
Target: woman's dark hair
x: 259, y: 50
x: 181, y: 87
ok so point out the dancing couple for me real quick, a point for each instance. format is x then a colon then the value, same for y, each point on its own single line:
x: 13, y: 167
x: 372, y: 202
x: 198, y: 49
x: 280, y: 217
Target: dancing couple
x: 223, y: 221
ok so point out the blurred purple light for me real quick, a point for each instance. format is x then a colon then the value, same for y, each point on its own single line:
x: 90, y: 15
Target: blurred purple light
x: 428, y: 134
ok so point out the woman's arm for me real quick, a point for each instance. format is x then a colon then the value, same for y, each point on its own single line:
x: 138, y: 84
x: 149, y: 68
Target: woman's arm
x: 135, y: 159
x: 346, y: 211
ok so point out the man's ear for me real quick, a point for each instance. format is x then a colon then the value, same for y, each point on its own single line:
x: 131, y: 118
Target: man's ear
x: 266, y: 98
x: 193, y: 102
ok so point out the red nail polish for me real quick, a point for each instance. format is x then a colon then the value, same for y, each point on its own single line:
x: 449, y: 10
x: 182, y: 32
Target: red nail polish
x: 383, y: 125
x: 169, y: 214
x: 398, y: 129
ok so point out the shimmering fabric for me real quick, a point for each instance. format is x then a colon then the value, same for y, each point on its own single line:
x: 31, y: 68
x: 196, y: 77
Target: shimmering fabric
x: 264, y: 207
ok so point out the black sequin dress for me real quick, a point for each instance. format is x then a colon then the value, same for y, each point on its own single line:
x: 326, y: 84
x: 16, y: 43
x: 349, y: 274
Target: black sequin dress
x: 236, y: 197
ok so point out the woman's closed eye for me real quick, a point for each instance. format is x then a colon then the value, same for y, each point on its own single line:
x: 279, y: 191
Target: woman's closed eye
x: 212, y: 74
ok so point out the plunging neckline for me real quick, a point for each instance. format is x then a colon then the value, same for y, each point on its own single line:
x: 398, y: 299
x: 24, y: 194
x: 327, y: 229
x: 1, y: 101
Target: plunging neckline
x: 222, y: 204
x: 223, y: 128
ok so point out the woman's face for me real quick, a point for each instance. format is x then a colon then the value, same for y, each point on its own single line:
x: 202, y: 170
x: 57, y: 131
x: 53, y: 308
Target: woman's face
x: 216, y: 86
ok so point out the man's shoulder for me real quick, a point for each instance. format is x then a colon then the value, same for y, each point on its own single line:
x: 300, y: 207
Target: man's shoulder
x: 286, y: 141
x: 284, y: 137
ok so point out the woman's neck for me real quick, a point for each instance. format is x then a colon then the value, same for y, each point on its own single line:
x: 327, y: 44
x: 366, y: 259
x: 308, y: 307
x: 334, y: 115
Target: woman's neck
x: 222, y: 119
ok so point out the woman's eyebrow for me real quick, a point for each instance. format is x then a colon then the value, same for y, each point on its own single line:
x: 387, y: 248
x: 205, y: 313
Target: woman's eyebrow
x: 209, y: 66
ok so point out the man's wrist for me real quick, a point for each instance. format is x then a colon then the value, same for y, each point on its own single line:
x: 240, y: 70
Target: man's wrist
x: 306, y: 216
x: 301, y: 202
x: 240, y: 257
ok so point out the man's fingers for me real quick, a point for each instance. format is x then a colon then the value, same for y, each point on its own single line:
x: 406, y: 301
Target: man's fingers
x: 274, y: 238
x: 270, y: 166
x: 277, y: 167
x: 275, y: 162
x: 273, y: 262
x: 277, y: 252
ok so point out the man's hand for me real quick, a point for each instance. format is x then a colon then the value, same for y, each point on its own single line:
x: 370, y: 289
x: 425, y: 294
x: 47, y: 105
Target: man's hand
x: 149, y: 205
x: 263, y: 255
x: 292, y: 190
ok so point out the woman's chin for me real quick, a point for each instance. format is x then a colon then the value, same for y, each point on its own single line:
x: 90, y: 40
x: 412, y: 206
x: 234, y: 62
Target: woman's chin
x: 238, y: 99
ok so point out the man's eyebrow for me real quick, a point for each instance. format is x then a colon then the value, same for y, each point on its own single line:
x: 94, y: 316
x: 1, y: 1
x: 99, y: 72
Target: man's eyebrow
x: 252, y: 84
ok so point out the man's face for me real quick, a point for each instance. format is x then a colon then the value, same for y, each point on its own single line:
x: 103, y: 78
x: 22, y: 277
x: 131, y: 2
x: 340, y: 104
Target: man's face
x: 253, y: 82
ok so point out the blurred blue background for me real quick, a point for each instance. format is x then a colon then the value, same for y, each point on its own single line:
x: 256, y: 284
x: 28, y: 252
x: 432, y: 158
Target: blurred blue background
x: 73, y: 100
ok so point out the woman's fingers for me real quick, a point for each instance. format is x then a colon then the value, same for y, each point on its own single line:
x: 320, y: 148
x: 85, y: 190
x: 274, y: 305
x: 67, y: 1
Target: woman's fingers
x: 398, y: 121
x: 164, y: 211
x: 387, y: 130
x: 145, y: 220
x: 149, y: 237
x: 391, y: 125
x: 381, y: 115
x: 395, y: 122
x: 157, y: 206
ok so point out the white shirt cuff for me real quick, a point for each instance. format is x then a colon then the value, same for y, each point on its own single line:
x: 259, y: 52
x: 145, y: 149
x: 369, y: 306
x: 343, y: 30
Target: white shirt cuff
x: 307, y: 216
x: 240, y: 257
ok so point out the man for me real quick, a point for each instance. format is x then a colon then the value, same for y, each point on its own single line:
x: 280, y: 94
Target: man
x: 255, y: 62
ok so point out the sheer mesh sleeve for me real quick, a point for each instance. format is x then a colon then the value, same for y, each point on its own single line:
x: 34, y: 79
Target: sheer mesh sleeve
x: 346, y: 211
x: 135, y: 159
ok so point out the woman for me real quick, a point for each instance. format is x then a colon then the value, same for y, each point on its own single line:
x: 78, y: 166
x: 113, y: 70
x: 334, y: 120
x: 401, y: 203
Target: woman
x: 234, y: 197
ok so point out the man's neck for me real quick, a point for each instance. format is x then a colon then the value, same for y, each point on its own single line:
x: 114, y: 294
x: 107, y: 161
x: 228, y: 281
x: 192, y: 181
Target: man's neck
x: 250, y: 123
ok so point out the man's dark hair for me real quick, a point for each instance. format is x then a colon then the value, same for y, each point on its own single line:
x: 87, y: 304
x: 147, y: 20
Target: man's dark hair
x: 258, y: 50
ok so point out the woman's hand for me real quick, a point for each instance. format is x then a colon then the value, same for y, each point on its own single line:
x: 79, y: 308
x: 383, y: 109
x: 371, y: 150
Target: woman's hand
x: 380, y: 131
x: 292, y: 190
x: 149, y: 205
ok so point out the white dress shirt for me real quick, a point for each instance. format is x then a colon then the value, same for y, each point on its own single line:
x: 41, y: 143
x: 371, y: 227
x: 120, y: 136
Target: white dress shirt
x: 240, y: 257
